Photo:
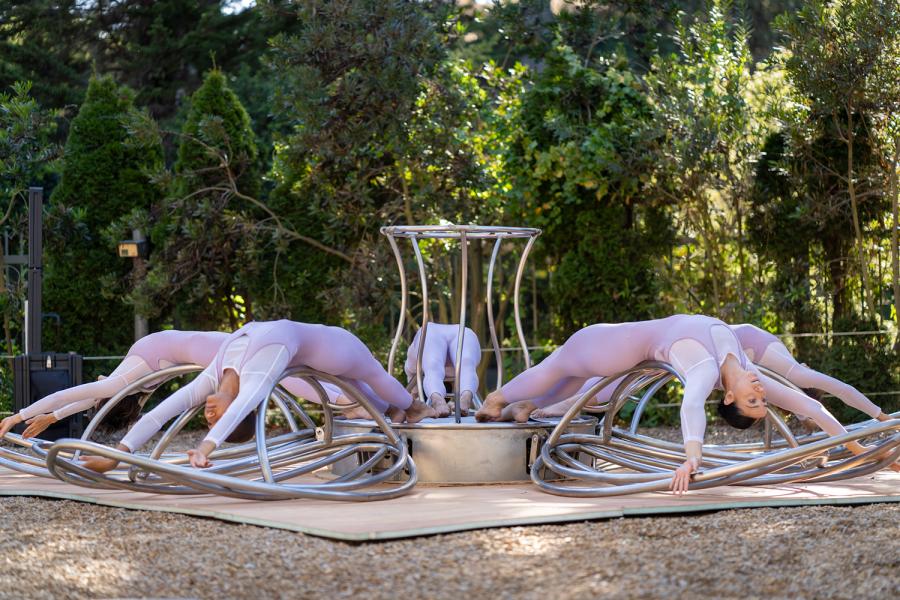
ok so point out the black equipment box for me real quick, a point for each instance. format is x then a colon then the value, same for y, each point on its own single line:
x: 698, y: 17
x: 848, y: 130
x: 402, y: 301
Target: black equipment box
x: 39, y: 375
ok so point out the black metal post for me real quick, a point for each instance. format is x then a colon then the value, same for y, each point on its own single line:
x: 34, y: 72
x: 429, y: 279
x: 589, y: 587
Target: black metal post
x: 35, y: 268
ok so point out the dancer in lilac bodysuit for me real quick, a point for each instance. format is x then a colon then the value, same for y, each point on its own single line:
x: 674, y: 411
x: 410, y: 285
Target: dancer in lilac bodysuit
x: 768, y: 351
x: 151, y: 353
x: 246, y: 367
x: 703, y: 350
x: 439, y: 362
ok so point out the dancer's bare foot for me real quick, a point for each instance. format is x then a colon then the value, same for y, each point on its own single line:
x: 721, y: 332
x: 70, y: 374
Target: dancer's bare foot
x: 554, y: 410
x: 441, y: 409
x: 492, y: 407
x: 99, y: 463
x: 465, y: 402
x: 517, y: 411
x: 418, y: 410
x: 357, y: 412
x: 396, y: 415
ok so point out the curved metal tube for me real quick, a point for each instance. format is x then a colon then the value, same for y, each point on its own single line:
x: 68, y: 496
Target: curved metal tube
x: 489, y: 299
x: 404, y: 297
x: 648, y: 464
x: 518, y: 314
x: 270, y: 463
x: 425, y: 310
x: 464, y: 248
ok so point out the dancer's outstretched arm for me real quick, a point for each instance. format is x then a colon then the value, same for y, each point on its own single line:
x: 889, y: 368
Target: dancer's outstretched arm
x: 189, y: 396
x: 84, y: 396
x: 779, y: 359
x: 800, y: 404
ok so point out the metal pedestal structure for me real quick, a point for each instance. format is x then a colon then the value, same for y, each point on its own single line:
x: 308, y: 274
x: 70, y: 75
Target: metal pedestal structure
x: 469, y: 452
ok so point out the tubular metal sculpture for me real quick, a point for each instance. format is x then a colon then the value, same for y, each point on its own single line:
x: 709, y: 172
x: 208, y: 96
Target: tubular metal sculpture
x: 626, y: 462
x: 265, y: 469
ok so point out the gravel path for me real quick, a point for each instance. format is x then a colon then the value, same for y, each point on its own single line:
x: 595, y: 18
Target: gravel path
x: 62, y: 549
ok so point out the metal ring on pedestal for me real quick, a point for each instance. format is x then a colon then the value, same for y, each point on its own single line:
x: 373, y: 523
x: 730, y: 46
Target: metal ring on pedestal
x: 463, y: 233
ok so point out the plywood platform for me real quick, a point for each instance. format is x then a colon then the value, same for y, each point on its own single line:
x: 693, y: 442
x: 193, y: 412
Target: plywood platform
x: 431, y: 509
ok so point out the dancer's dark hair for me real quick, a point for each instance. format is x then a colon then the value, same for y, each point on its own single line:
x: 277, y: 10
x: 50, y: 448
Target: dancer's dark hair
x: 245, y: 430
x: 733, y: 416
x: 123, y: 415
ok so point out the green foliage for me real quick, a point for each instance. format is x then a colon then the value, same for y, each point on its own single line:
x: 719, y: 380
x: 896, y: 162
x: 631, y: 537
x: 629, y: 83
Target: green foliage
x: 867, y: 362
x: 25, y: 155
x: 104, y: 177
x: 203, y: 231
x: 384, y: 130
x: 579, y: 166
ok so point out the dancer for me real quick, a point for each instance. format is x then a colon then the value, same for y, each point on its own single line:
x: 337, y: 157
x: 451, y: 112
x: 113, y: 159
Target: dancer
x: 151, y: 353
x: 246, y: 367
x: 766, y: 350
x: 703, y: 350
x: 439, y: 362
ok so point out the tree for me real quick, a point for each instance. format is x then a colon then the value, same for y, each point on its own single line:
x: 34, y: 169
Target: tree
x: 25, y: 156
x: 703, y: 99
x: 839, y: 57
x: 579, y: 168
x: 104, y: 177
x: 351, y: 81
x: 203, y: 229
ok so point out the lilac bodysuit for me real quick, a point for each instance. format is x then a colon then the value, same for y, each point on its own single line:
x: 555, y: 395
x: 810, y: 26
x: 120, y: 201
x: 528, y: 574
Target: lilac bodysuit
x: 695, y: 345
x: 260, y: 352
x: 439, y: 359
x: 148, y: 354
x: 768, y: 351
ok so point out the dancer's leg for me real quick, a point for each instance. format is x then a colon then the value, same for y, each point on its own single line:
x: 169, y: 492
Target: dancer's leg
x: 536, y: 382
x: 301, y: 389
x: 258, y: 376
x: 799, y: 403
x: 434, y: 359
x: 468, y: 371
x: 779, y: 359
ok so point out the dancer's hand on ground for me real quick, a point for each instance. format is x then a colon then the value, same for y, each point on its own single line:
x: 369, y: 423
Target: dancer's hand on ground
x: 199, y: 457
x: 38, y: 424
x: 682, y: 477
x: 99, y: 463
x: 8, y: 423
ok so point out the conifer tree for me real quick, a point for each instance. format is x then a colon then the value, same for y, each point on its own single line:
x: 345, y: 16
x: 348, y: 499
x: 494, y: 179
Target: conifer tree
x: 205, y: 251
x: 104, y: 177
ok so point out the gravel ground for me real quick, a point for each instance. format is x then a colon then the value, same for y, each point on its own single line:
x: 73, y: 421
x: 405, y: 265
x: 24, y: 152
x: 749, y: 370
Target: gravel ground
x: 62, y: 549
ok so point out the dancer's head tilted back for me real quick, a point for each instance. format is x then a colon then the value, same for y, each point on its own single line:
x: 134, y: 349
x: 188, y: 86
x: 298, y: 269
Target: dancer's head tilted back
x: 217, y: 404
x: 744, y: 402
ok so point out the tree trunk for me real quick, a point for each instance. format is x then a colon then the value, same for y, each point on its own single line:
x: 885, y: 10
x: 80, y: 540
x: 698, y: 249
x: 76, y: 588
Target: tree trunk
x: 860, y: 249
x: 895, y: 239
x: 834, y: 260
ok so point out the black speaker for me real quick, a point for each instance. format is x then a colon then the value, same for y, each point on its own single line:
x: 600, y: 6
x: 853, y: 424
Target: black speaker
x: 39, y: 375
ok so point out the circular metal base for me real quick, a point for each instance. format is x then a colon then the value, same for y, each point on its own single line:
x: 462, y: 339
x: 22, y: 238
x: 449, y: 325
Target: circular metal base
x: 445, y: 451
